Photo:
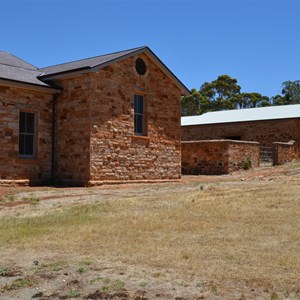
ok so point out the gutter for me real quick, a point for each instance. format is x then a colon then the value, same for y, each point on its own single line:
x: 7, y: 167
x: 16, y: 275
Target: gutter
x: 64, y: 74
x: 28, y: 86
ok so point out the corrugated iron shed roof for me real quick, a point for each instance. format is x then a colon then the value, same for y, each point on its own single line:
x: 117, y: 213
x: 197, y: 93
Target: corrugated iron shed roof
x: 244, y: 115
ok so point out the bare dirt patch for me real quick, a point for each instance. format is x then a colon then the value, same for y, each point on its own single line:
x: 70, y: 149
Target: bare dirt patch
x: 206, y: 237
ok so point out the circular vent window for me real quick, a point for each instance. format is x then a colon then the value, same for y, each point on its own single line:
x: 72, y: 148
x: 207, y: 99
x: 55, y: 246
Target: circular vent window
x: 140, y: 66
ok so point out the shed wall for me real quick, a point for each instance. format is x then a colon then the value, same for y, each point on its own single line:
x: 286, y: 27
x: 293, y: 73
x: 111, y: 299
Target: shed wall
x: 217, y: 157
x: 263, y: 132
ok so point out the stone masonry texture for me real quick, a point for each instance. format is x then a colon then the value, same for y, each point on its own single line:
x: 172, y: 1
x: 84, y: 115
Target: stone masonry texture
x: 217, y: 157
x: 284, y: 153
x: 95, y: 139
x: 12, y: 101
x: 263, y: 132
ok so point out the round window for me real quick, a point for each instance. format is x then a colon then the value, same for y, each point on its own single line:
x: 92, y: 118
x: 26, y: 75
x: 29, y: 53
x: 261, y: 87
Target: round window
x: 140, y: 66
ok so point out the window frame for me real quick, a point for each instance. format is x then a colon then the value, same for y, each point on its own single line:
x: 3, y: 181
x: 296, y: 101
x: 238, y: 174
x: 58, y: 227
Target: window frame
x: 137, y: 114
x: 27, y: 133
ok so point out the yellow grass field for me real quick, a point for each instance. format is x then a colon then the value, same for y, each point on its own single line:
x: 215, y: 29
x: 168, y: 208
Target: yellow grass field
x: 223, y: 237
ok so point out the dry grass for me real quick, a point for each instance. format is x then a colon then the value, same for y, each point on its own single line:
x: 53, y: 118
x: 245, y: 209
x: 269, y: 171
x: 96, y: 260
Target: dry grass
x: 245, y: 235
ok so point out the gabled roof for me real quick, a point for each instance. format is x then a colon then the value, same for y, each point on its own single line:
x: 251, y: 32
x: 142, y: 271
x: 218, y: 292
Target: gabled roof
x: 93, y: 64
x: 244, y: 115
x: 11, y: 60
x: 87, y: 63
x: 17, y: 70
x: 14, y: 69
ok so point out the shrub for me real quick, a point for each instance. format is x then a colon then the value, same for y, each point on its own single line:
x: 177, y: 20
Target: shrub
x: 3, y: 271
x: 247, y: 164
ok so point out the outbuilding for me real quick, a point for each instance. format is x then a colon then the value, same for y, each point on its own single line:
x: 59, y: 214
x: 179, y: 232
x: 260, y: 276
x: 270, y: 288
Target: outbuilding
x: 264, y: 125
x: 223, y: 141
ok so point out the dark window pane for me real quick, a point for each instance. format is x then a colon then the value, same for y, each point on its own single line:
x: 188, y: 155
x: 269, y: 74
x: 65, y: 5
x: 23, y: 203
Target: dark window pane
x: 26, y: 133
x: 140, y: 66
x: 138, y: 124
x: 29, y: 123
x: 141, y: 105
x: 135, y: 123
x: 139, y: 114
x: 22, y: 119
x: 21, y: 144
x: 138, y: 104
x: 29, y: 144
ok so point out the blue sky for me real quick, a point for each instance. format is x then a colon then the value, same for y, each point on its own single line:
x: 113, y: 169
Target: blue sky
x: 255, y: 41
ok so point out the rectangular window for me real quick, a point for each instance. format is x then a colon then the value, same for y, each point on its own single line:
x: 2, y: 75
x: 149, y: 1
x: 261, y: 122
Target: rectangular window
x: 26, y: 134
x: 139, y: 117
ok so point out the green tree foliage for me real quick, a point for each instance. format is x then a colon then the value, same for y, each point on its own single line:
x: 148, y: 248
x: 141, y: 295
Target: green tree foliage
x: 251, y: 100
x: 224, y: 93
x: 290, y: 94
x: 278, y: 100
x: 221, y: 94
x: 194, y: 104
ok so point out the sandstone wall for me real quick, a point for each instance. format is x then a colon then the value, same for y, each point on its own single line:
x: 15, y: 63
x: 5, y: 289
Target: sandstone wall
x: 264, y: 132
x: 284, y: 152
x: 239, y: 152
x: 217, y: 157
x: 116, y: 153
x: 95, y: 139
x: 12, y: 101
x: 72, y: 115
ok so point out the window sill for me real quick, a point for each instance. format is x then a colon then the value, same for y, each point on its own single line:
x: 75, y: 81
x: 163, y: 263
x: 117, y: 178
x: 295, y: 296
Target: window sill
x: 140, y: 137
x: 27, y: 160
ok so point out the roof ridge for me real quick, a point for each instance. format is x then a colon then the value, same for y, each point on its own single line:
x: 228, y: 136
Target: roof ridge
x: 241, y: 109
x: 24, y: 61
x: 244, y: 115
x: 248, y: 108
x: 96, y: 56
x: 12, y: 66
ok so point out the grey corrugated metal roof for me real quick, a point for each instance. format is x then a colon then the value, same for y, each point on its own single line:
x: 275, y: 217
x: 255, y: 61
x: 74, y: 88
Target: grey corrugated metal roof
x: 244, y: 115
x: 86, y: 63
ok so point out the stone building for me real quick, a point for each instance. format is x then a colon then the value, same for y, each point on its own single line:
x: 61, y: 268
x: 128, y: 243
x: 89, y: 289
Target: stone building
x: 114, y: 117
x: 264, y: 125
x: 222, y: 142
